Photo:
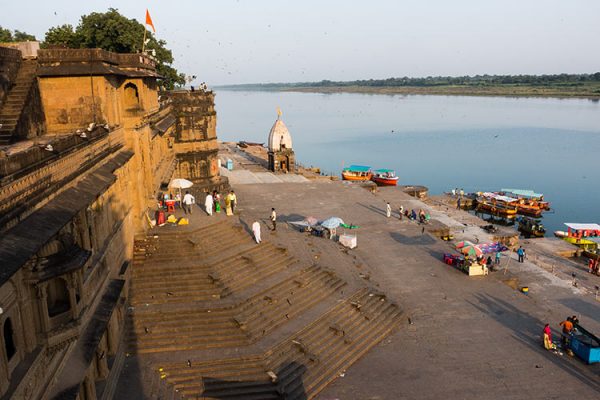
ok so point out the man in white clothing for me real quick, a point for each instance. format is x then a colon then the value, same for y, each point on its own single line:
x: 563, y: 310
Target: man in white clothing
x: 208, y: 204
x: 273, y: 218
x: 256, y: 230
x: 188, y: 201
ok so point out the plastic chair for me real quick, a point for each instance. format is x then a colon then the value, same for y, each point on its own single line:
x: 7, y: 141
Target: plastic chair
x: 171, y: 206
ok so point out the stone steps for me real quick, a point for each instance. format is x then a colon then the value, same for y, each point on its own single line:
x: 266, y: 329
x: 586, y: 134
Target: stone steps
x: 238, y: 325
x: 200, y: 283
x: 304, y: 363
x: 195, y: 322
x: 12, y: 108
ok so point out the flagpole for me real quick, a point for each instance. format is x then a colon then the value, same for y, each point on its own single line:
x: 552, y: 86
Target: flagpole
x: 144, y: 42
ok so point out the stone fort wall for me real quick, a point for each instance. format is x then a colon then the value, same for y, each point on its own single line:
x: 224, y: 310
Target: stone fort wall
x: 69, y: 213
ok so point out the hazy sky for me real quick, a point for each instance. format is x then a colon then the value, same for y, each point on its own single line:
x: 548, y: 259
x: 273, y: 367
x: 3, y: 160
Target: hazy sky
x: 243, y: 41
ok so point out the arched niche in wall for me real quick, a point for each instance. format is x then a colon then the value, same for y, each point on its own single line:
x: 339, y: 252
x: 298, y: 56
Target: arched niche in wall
x: 131, y: 97
x: 9, y: 339
x: 58, y: 297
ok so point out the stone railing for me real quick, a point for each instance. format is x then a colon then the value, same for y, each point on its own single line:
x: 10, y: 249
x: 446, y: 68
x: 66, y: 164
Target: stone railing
x: 34, y: 186
x: 77, y: 55
x: 129, y: 60
x: 125, y: 60
x: 22, y: 162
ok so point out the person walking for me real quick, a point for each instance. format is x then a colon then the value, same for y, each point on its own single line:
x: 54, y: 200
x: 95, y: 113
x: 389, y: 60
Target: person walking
x: 233, y: 201
x: 388, y: 209
x: 256, y: 231
x: 400, y: 212
x: 188, y: 201
x: 498, y: 255
x: 521, y: 254
x: 228, y: 209
x: 458, y: 204
x: 488, y: 264
x: 273, y: 218
x: 208, y: 204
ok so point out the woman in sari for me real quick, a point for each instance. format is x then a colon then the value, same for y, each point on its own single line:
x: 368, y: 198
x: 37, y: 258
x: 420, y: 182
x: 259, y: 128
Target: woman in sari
x: 548, y: 344
x: 228, y: 209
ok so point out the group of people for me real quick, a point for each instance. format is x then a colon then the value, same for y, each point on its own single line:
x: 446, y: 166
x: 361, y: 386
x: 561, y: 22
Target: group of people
x: 594, y: 266
x: 422, y: 215
x: 458, y: 192
x: 568, y: 326
x: 212, y: 202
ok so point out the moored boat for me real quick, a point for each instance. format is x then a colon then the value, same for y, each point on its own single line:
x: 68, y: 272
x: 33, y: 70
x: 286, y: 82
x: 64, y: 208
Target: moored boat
x: 531, y: 227
x: 498, y: 205
x: 357, y: 173
x: 584, y: 236
x: 529, y: 197
x: 385, y: 177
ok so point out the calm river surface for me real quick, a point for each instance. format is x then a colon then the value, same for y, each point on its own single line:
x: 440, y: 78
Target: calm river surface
x: 551, y: 146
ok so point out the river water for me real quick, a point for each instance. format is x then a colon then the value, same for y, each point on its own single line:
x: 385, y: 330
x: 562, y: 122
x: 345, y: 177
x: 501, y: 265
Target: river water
x: 551, y: 146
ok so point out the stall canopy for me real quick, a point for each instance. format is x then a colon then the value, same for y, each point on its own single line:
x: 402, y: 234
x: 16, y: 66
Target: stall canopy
x: 583, y: 227
x: 332, y: 223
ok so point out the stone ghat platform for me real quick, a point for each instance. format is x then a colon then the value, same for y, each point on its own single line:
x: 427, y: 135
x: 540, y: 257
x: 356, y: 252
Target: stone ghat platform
x: 214, y: 315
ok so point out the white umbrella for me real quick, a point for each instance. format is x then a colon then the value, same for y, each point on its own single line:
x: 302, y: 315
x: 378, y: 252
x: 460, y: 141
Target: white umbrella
x: 180, y: 183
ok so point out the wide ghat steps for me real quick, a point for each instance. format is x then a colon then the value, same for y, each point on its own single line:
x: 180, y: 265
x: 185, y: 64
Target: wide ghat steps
x: 181, y: 320
x: 173, y: 282
x: 11, y: 109
x: 240, y: 325
x: 300, y: 366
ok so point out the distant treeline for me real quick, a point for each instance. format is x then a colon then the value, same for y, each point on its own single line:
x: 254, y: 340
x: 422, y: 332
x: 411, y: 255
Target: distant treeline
x: 432, y: 81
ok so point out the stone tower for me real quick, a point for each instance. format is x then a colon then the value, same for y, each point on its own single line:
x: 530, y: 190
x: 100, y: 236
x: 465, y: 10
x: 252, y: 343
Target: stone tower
x: 281, y: 154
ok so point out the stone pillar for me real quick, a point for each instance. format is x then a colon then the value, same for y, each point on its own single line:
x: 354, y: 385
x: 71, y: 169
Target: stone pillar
x: 72, y: 286
x: 102, y: 360
x: 89, y: 388
x: 42, y: 296
x: 112, y: 334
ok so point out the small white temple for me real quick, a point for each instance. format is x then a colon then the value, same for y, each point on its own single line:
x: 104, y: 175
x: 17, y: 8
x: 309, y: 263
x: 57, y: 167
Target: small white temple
x: 281, y: 154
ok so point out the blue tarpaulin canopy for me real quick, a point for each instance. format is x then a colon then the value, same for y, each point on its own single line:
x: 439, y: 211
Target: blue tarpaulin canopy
x: 383, y: 171
x: 358, y: 168
x: 523, y: 193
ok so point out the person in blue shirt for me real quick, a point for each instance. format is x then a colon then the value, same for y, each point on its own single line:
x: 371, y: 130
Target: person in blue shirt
x: 521, y: 254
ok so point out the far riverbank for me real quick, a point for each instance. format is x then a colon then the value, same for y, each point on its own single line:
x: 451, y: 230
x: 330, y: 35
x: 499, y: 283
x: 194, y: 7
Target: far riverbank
x: 584, y: 92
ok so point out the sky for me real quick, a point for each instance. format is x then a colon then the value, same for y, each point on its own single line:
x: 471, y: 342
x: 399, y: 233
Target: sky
x: 255, y: 41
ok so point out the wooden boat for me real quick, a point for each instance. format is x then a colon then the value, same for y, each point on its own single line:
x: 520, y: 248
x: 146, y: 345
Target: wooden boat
x: 357, y: 173
x: 385, y: 177
x: 498, y: 205
x: 244, y: 144
x: 531, y: 198
x: 585, y: 236
x: 531, y: 227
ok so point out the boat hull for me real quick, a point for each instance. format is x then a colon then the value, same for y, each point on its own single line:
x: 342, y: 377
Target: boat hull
x: 529, y: 211
x: 385, y: 181
x: 496, y: 210
x: 582, y: 243
x: 351, y: 177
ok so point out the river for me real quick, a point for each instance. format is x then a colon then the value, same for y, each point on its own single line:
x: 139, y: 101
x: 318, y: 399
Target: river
x: 551, y: 146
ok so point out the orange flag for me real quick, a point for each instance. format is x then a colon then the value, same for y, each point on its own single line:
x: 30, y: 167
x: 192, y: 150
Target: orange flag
x: 149, y: 21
